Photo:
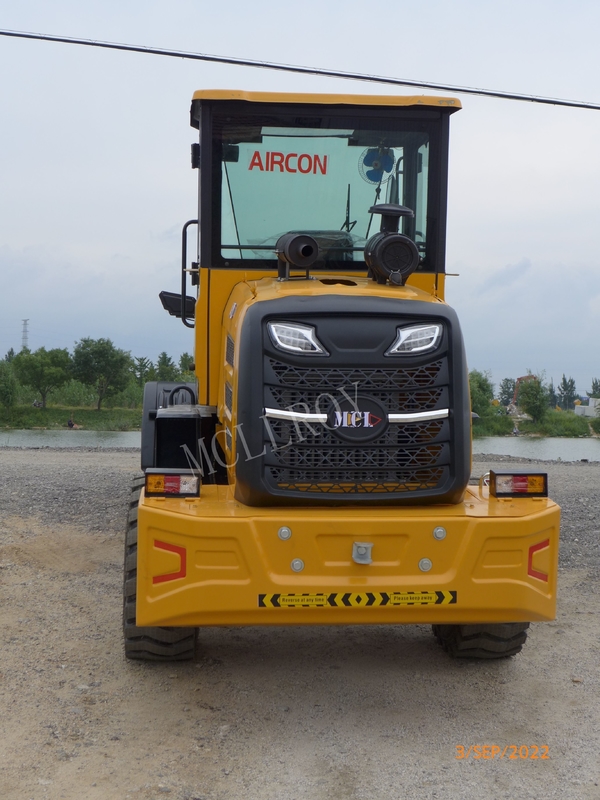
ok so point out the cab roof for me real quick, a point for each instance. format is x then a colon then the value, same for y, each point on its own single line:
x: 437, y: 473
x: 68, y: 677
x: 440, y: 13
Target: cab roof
x: 450, y: 103
x: 447, y: 105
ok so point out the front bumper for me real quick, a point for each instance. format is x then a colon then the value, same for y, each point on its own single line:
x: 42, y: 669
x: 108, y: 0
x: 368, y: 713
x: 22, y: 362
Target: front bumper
x: 213, y: 561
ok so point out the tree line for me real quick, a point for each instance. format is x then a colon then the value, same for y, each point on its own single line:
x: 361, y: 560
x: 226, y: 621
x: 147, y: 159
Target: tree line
x: 531, y: 393
x: 98, y: 371
x: 95, y: 369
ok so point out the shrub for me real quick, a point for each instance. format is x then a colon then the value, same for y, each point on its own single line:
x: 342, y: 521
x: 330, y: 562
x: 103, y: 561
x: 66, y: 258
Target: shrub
x: 533, y: 399
x: 558, y: 423
x: 492, y: 425
x: 73, y: 393
x: 8, y: 385
x: 482, y: 391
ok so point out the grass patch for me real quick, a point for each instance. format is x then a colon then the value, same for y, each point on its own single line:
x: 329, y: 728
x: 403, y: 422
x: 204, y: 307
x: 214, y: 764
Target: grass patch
x: 493, y: 425
x: 56, y: 418
x: 558, y: 423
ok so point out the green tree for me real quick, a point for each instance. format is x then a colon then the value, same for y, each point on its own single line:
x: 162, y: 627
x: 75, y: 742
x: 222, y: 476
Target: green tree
x: 8, y: 385
x: 143, y: 369
x: 482, y: 392
x: 74, y: 394
x: 567, y: 393
x: 506, y: 391
x: 552, y: 396
x: 43, y: 370
x: 98, y: 363
x: 10, y: 355
x: 165, y: 368
x: 185, y: 362
x: 533, y: 399
x: 595, y: 392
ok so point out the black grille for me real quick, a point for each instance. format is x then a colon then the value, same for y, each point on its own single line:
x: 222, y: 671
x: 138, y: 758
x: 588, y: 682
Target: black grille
x: 359, y: 458
x: 311, y: 457
x: 229, y: 351
x: 288, y: 433
x: 386, y: 462
x: 318, y: 401
x: 369, y: 379
x: 324, y: 482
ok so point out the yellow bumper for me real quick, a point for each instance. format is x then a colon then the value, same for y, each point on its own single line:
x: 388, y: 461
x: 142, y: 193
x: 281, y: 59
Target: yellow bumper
x: 213, y: 561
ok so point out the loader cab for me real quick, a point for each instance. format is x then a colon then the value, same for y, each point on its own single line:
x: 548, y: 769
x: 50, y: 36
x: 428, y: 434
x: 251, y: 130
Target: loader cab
x: 271, y: 165
x: 348, y: 195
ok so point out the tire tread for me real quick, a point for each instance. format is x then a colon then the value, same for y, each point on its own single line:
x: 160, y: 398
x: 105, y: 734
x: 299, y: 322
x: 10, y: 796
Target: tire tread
x: 491, y: 640
x: 147, y: 643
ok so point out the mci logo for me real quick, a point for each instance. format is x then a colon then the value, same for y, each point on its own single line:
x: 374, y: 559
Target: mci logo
x: 356, y: 419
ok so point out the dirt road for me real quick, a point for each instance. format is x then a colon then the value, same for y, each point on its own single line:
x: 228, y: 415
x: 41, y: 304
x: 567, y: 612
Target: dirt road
x: 271, y: 714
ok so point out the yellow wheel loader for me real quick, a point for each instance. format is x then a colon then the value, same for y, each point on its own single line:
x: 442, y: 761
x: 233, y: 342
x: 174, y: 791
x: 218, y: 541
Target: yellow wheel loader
x: 318, y: 471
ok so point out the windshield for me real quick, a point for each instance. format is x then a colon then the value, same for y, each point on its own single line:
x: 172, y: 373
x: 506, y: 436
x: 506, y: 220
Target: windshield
x: 320, y: 179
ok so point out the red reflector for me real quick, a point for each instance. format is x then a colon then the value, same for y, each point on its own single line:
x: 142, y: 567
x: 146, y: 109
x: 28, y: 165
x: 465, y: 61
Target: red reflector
x: 172, y: 484
x: 520, y: 483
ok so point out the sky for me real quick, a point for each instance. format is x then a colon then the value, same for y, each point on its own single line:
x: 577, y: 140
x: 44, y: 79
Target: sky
x: 95, y: 177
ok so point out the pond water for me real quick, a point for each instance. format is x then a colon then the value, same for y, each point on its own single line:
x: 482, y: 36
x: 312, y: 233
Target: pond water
x: 548, y: 449
x: 121, y: 440
x: 544, y: 449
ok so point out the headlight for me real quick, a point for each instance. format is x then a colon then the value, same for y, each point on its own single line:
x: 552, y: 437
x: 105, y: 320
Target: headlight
x: 295, y: 338
x: 416, y: 339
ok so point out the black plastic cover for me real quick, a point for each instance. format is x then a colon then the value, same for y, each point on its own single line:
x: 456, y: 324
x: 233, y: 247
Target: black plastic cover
x: 356, y: 332
x: 163, y: 439
x: 171, y: 302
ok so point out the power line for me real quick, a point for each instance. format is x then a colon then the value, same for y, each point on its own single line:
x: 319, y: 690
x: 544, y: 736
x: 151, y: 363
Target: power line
x: 318, y: 71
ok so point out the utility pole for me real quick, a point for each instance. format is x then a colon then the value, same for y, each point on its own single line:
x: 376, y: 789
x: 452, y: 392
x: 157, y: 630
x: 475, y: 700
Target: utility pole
x: 25, y: 336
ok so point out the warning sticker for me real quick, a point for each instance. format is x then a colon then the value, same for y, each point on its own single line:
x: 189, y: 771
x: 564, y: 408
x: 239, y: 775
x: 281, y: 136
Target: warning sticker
x: 357, y: 599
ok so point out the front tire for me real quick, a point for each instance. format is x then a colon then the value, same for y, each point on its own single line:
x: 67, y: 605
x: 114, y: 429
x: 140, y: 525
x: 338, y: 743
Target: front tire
x: 147, y: 644
x: 498, y: 640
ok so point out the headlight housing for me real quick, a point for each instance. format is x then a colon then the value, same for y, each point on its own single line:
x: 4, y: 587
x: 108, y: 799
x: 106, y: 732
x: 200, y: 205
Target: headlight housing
x: 294, y: 338
x: 416, y: 339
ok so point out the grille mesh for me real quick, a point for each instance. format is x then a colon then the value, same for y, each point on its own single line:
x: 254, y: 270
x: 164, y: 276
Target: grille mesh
x: 313, y: 400
x: 311, y: 459
x: 289, y: 433
x: 359, y: 458
x: 322, y: 482
x: 368, y: 379
x: 229, y: 351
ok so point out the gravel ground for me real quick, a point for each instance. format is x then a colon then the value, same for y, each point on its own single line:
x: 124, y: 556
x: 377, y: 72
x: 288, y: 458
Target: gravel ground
x: 353, y: 713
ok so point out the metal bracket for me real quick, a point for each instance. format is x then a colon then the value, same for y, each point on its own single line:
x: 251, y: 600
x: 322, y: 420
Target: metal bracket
x: 361, y: 552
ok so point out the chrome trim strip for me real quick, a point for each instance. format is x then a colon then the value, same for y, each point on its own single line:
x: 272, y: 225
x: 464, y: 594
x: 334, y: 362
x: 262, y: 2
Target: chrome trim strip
x: 420, y: 416
x: 298, y: 416
x: 302, y: 416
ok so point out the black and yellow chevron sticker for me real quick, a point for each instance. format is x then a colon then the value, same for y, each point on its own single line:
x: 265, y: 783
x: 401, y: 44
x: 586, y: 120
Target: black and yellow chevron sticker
x: 357, y: 599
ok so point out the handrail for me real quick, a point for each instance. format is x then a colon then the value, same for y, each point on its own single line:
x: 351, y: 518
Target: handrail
x: 184, y: 231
